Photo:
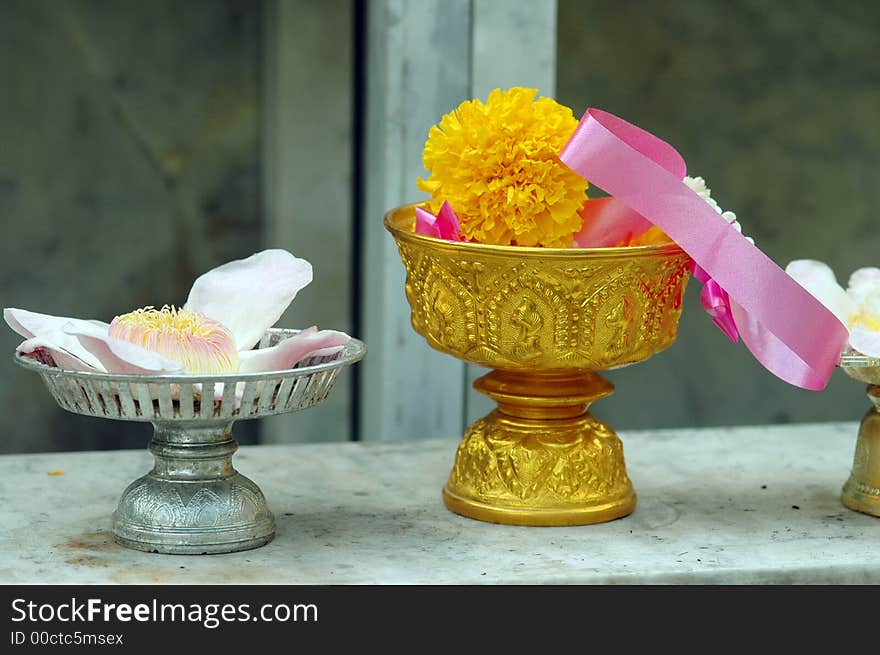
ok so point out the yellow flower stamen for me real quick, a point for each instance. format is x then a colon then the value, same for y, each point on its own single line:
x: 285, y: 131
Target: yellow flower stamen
x: 200, y: 344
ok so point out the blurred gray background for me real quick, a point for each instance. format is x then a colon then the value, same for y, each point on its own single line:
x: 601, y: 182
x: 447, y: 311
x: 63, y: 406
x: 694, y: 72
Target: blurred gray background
x: 129, y: 164
x: 140, y: 145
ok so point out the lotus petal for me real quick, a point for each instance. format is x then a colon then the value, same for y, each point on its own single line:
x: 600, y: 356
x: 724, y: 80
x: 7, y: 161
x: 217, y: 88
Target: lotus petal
x: 426, y: 223
x: 445, y: 225
x: 608, y: 222
x: 118, y: 356
x: 60, y: 357
x: 249, y: 295
x: 448, y: 223
x: 219, y: 389
x: 50, y: 329
x: 294, y: 349
x: 326, y: 352
x: 817, y: 278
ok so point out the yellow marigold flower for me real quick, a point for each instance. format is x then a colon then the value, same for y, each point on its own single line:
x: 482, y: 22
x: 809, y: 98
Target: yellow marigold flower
x: 498, y: 166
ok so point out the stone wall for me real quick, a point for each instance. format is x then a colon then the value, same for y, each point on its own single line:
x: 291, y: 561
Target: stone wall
x: 129, y: 164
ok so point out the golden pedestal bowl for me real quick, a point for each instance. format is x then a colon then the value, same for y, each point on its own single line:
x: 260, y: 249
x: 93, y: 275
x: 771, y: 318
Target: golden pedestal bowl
x: 861, y: 492
x: 545, y: 320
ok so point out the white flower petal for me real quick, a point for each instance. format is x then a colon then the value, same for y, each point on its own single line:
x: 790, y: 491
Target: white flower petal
x: 867, y: 275
x: 865, y: 341
x: 867, y: 314
x: 60, y: 357
x: 51, y: 330
x: 864, y: 284
x: 118, y: 356
x: 817, y: 278
x: 286, y: 354
x: 250, y: 295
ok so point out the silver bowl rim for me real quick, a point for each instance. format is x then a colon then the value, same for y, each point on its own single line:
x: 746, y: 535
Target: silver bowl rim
x: 353, y: 351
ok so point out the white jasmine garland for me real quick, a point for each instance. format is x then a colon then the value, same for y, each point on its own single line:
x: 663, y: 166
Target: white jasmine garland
x: 698, y: 186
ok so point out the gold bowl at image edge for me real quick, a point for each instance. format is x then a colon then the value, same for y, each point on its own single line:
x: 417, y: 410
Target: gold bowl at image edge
x: 861, y: 491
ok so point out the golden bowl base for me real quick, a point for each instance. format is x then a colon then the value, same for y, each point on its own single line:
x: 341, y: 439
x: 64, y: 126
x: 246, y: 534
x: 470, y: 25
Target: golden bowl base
x: 541, y: 458
x: 540, y: 517
x: 855, y: 499
x: 862, y: 490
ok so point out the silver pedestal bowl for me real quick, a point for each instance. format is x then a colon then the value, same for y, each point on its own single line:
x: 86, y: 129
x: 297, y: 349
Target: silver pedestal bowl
x: 194, y: 501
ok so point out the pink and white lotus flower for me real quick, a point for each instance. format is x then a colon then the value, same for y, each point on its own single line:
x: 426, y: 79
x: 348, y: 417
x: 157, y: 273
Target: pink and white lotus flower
x: 228, y: 310
x: 857, y: 306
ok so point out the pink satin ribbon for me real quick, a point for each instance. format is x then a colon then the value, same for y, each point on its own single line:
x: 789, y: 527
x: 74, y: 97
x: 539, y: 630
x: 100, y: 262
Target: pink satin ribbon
x: 787, y: 330
x: 716, y: 302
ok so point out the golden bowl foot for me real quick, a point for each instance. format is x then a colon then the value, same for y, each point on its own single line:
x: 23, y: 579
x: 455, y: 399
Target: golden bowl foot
x: 541, y: 458
x: 862, y: 491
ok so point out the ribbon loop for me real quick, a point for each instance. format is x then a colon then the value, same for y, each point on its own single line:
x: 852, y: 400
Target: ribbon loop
x: 787, y: 330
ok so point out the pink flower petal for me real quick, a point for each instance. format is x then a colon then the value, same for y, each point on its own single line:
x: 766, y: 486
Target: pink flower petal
x: 817, y: 278
x: 286, y: 354
x: 248, y: 296
x: 608, y: 222
x: 118, y: 356
x: 61, y: 358
x: 426, y: 223
x: 443, y: 226
x: 865, y: 341
x: 448, y: 224
x: 50, y: 330
x: 220, y: 388
x: 326, y: 352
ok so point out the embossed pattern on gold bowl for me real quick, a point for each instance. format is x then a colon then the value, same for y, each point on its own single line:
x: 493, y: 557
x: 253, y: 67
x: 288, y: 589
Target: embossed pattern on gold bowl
x: 541, y: 308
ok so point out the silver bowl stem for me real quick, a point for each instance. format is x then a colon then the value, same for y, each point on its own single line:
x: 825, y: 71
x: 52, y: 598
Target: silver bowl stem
x: 193, y: 501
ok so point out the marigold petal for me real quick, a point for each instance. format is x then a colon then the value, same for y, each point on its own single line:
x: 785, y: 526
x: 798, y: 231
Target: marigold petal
x: 497, y: 164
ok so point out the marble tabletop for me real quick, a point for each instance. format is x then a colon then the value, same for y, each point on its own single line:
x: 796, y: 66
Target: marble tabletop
x: 726, y: 505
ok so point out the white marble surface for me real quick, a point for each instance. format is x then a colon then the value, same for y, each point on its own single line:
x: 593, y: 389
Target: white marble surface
x: 371, y: 513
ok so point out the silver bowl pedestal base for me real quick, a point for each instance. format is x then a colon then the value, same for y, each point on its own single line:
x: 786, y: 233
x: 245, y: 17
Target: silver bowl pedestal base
x: 193, y: 502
